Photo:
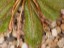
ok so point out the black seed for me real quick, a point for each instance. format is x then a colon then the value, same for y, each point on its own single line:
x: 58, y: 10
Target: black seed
x: 22, y: 37
x: 5, y: 38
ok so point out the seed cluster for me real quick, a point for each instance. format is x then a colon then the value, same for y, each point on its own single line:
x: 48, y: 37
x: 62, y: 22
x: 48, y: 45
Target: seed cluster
x: 7, y: 40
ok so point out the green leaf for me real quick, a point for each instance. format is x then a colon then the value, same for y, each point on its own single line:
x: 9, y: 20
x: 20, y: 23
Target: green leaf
x: 5, y: 13
x: 51, y: 8
x: 4, y: 24
x: 32, y: 28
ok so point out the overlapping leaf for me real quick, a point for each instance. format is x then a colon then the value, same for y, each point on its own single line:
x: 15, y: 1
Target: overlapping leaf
x: 50, y: 8
x: 32, y: 28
